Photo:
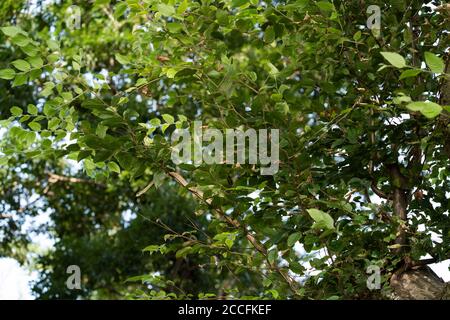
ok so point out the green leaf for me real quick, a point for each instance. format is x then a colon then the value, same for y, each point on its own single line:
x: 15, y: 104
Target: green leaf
x: 143, y: 278
x: 122, y: 101
x: 16, y: 111
x: 155, y: 122
x: 158, y: 178
x: 32, y: 109
x: 275, y: 294
x: 164, y: 127
x: 229, y: 242
x: 122, y: 59
x: 20, y: 40
x: 435, y: 63
x: 325, y: 6
x: 120, y: 9
x: 182, y: 7
x: 427, y: 108
x: 53, y: 45
x: 11, y: 31
x: 53, y: 124
x: 21, y: 65
x: 394, y: 59
x: 4, y: 161
x: 46, y: 92
x: 409, y: 73
x: 35, y: 126
x: 322, y: 219
x: 272, y: 69
x: 267, y: 282
x: 30, y: 50
x: 170, y: 73
x: 76, y: 66
x: 272, y: 255
x: 36, y: 62
x: 7, y: 74
x: 269, y: 34
x: 238, y: 3
x: 114, y: 167
x: 140, y: 82
x: 174, y: 27
x: 165, y: 9
x: 226, y: 238
x: 183, y: 252
x: 151, y: 248
x: 168, y: 118
x: 19, y: 80
x: 52, y: 58
x: 293, y: 238
x: 101, y: 131
x: 401, y: 99
x: 30, y: 137
x: 252, y: 75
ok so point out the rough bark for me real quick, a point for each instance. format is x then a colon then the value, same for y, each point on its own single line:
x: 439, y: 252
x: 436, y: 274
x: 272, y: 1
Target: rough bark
x: 419, y: 284
x: 400, y: 204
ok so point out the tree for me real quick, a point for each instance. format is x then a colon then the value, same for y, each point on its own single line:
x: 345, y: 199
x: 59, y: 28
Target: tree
x: 363, y: 121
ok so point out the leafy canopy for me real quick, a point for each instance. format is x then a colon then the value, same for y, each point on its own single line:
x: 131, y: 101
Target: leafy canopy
x: 363, y: 120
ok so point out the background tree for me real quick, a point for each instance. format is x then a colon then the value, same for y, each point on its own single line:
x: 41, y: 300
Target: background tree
x: 363, y: 116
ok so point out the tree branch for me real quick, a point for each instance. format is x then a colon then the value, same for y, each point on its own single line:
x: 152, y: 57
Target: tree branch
x: 237, y: 225
x: 54, y: 178
x: 378, y: 192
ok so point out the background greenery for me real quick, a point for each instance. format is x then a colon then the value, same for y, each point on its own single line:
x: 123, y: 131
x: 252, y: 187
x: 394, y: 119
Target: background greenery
x: 363, y: 116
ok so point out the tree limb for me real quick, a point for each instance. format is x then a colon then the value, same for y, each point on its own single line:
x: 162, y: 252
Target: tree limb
x: 54, y: 178
x: 379, y: 193
x: 237, y: 225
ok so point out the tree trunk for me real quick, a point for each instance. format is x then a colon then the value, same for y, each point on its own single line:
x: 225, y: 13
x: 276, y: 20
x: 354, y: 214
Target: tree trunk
x: 419, y: 284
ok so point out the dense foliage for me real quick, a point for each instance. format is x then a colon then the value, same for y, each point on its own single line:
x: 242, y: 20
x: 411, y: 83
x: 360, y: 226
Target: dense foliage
x: 364, y: 145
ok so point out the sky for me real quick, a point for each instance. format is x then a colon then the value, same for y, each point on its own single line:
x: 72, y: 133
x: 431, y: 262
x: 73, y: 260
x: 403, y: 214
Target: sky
x: 14, y: 281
